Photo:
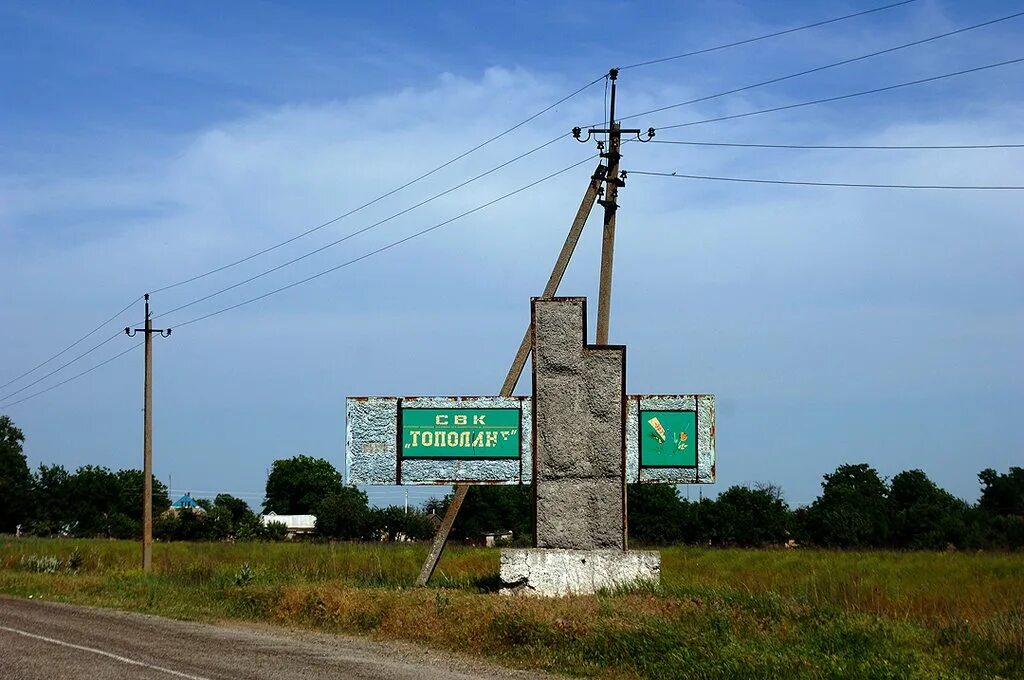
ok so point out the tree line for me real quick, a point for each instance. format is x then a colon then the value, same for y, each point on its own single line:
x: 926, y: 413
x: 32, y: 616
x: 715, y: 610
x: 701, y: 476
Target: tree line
x: 857, y: 508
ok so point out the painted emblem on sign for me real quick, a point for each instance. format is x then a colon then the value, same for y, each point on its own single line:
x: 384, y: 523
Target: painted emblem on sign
x: 665, y: 438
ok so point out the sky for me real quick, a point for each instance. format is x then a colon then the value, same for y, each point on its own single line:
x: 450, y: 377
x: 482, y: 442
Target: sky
x: 142, y: 144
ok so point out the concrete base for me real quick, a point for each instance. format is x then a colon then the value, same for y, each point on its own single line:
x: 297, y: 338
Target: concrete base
x: 549, y: 572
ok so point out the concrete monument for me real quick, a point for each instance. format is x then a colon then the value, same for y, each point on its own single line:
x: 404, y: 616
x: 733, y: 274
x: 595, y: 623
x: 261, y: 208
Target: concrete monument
x: 579, y: 439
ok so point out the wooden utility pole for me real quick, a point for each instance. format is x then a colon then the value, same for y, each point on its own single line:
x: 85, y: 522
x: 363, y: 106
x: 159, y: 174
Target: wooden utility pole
x: 516, y: 369
x: 147, y: 438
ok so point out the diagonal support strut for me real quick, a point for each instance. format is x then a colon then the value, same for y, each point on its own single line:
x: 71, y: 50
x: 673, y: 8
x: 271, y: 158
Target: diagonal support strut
x: 516, y: 370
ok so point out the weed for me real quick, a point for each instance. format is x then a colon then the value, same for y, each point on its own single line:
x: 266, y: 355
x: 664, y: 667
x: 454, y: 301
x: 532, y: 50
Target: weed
x: 715, y: 614
x: 75, y: 560
x: 442, y: 603
x: 46, y: 564
x: 245, y: 575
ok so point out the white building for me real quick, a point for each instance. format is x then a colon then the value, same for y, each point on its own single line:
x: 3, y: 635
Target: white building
x: 295, y: 524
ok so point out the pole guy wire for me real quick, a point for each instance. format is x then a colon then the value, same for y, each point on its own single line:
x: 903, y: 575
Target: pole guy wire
x: 680, y: 175
x: 776, y: 34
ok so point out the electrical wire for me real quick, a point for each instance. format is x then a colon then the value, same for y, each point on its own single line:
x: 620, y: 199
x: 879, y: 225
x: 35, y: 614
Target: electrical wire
x: 72, y: 345
x: 61, y: 367
x: 363, y: 230
x: 767, y: 36
x: 382, y: 196
x: 388, y: 246
x: 862, y: 93
x: 680, y: 175
x: 903, y: 147
x: 825, y: 67
x: 310, y: 278
x: 442, y: 166
x: 74, y: 377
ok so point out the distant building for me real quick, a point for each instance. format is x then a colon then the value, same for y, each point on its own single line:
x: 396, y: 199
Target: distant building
x: 297, y: 525
x: 186, y: 502
x: 493, y: 538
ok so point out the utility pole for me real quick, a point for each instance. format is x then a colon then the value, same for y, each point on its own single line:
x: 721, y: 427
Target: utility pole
x: 147, y: 438
x: 516, y: 369
x: 607, y: 174
x: 613, y: 179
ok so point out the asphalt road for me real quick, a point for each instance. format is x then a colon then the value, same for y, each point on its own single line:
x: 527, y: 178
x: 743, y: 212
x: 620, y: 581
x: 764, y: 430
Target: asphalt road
x: 42, y: 641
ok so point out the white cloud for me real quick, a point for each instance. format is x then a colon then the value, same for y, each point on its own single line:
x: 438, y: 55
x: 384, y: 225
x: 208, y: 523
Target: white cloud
x: 753, y: 292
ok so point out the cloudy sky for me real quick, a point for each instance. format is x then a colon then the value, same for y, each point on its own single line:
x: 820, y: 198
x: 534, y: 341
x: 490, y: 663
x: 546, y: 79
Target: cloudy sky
x: 141, y: 145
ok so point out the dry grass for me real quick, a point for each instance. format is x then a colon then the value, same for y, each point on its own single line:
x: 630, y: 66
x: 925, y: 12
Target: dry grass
x: 732, y: 613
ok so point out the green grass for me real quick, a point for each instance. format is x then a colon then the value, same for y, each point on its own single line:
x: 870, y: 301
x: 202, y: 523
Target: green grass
x: 716, y: 614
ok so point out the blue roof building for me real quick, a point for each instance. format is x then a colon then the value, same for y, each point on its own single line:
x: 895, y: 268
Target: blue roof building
x: 186, y: 502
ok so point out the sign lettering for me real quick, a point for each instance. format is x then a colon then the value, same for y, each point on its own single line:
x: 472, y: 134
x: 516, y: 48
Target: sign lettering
x: 463, y: 433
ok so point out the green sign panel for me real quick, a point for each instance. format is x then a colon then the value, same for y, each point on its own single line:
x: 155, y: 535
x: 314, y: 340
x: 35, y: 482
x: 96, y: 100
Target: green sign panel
x: 668, y: 438
x: 464, y: 433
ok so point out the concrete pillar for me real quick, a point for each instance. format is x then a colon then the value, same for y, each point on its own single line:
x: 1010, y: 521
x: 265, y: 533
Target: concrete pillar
x: 579, y: 417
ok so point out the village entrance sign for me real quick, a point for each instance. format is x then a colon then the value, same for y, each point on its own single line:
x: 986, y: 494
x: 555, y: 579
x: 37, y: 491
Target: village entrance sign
x: 579, y: 440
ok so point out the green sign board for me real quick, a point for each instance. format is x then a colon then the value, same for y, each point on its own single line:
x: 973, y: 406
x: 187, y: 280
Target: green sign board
x: 463, y: 433
x: 668, y: 438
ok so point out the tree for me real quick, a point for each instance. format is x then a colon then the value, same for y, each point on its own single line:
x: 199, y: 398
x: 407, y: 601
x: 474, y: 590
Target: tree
x: 923, y: 516
x: 495, y: 509
x: 655, y: 514
x: 92, y: 502
x: 129, y: 493
x: 852, y: 510
x: 52, y: 501
x: 747, y: 517
x: 15, y: 478
x: 296, y: 486
x: 343, y: 515
x: 237, y: 509
x: 394, y: 523
x: 1002, y: 494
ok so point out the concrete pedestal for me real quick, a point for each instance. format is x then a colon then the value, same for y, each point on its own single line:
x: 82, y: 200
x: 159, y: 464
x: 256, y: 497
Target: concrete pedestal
x: 549, y: 572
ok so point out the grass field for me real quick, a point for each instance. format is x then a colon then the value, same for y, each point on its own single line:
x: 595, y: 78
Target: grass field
x: 716, y: 614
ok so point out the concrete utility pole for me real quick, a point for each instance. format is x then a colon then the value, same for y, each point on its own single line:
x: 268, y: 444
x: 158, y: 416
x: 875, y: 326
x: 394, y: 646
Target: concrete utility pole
x: 613, y: 179
x: 604, y: 174
x: 516, y: 369
x: 147, y: 438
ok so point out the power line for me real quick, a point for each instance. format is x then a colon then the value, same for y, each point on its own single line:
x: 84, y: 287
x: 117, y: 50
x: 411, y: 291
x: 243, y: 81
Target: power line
x: 904, y: 147
x: 834, y: 64
x: 843, y: 96
x: 481, y: 145
x: 364, y: 229
x: 315, y: 276
x: 74, y: 377
x: 388, y: 246
x: 382, y: 196
x: 767, y: 36
x: 61, y: 367
x: 680, y: 175
x: 72, y: 345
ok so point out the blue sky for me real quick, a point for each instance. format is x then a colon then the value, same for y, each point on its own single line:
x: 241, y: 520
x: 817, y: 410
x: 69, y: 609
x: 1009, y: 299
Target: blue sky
x: 144, y: 143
